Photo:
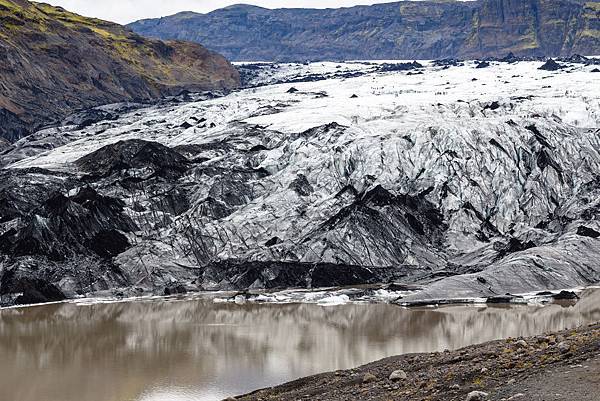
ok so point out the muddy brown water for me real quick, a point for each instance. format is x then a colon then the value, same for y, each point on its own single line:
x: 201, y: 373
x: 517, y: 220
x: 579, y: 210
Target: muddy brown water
x: 195, y: 349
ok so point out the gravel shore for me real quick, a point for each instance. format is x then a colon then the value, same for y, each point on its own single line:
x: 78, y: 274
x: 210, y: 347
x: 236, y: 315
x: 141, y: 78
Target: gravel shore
x: 559, y: 366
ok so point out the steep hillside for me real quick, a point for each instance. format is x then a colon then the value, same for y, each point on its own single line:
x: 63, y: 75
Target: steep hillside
x: 53, y: 62
x: 405, y: 30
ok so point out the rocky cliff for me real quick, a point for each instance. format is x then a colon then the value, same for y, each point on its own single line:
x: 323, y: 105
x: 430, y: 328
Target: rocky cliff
x: 403, y: 30
x: 53, y: 62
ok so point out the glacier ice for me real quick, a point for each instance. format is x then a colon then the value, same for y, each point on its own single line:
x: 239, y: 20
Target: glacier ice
x: 471, y: 182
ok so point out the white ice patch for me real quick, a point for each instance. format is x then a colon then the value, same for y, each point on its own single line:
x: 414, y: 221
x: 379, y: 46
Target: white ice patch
x: 325, y: 297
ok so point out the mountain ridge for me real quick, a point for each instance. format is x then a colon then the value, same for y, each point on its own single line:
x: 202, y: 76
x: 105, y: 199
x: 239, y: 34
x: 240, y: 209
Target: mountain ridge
x: 398, y: 30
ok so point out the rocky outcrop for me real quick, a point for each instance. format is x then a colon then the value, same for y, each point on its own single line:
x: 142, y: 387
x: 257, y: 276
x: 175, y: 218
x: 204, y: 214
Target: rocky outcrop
x: 53, y: 62
x: 403, y: 30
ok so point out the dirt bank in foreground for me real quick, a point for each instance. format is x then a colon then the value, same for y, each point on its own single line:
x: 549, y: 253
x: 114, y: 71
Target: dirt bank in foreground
x: 560, y: 366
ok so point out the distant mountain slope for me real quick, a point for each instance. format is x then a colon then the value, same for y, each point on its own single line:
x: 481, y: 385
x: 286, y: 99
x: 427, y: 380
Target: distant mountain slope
x: 53, y: 62
x: 404, y: 30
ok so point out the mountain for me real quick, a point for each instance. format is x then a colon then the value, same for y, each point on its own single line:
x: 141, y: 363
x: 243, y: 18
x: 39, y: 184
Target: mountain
x: 53, y: 62
x: 402, y: 30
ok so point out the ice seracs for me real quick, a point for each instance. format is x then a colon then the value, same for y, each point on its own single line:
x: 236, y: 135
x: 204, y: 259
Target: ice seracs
x: 472, y: 181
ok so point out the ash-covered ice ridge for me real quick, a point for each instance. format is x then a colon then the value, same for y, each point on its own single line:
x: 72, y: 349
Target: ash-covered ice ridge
x: 469, y: 182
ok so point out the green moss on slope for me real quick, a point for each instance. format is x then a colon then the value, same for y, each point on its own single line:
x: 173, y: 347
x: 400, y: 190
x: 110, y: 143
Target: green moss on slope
x: 56, y: 61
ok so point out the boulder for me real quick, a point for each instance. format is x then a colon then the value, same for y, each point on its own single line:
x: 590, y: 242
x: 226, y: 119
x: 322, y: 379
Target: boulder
x: 522, y: 344
x: 369, y: 378
x: 563, y: 347
x: 398, y: 375
x: 476, y: 396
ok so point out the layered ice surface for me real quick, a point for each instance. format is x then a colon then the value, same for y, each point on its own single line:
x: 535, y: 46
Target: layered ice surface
x: 472, y: 182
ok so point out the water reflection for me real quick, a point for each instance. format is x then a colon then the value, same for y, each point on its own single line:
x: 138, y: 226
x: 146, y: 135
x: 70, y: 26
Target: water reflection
x: 198, y: 350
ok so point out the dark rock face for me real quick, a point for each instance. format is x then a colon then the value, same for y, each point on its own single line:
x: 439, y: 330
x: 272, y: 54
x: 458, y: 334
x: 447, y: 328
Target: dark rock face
x: 404, y: 30
x: 53, y: 63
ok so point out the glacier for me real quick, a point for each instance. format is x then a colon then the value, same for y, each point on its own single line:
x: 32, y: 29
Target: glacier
x: 468, y: 182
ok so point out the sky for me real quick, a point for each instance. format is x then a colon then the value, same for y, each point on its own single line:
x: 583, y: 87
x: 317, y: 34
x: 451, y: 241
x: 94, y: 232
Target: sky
x: 125, y: 11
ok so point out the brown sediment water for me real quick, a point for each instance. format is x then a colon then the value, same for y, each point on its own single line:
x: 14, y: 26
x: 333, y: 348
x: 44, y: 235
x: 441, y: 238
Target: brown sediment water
x: 195, y: 349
